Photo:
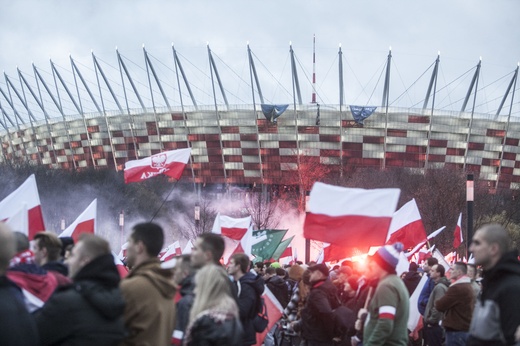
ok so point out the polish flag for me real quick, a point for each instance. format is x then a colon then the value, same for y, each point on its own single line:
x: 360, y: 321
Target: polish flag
x: 457, y: 234
x: 85, y: 223
x: 442, y: 260
x: 406, y: 226
x: 274, y: 313
x: 19, y: 221
x: 187, y: 248
x: 287, y: 252
x: 121, y: 268
x: 414, y: 315
x: 170, y: 163
x: 349, y: 217
x: 122, y: 252
x: 172, y: 251
x: 237, y: 234
x: 26, y: 194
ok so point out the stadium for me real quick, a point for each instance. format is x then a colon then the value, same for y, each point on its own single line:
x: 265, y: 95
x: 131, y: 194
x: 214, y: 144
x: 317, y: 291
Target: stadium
x: 104, y: 115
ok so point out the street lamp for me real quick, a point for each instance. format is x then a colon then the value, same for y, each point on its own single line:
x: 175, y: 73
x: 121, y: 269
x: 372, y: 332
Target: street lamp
x: 122, y: 225
x: 197, y: 217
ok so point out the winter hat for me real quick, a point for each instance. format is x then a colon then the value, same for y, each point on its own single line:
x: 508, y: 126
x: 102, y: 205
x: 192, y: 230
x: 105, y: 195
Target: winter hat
x: 322, y: 267
x: 387, y: 256
x: 275, y: 265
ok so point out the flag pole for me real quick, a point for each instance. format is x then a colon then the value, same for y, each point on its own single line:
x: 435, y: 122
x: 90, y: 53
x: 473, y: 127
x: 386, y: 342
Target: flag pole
x: 164, y: 201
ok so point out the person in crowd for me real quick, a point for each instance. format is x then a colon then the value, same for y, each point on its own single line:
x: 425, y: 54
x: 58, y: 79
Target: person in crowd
x: 412, y: 278
x: 291, y: 311
x: 457, y: 305
x: 497, y: 312
x: 183, y: 278
x: 249, y: 289
x: 433, y: 333
x: 428, y: 286
x: 17, y: 326
x: 148, y: 289
x: 388, y: 310
x: 36, y: 283
x: 208, y: 248
x: 277, y: 286
x: 333, y: 275
x: 47, y: 248
x: 90, y: 310
x: 317, y: 317
x: 214, y: 317
x: 345, y: 293
x: 472, y: 275
x: 259, y: 268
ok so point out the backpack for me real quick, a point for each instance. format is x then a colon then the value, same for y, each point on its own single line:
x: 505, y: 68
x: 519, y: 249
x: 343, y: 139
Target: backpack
x: 261, y: 319
x: 344, y: 320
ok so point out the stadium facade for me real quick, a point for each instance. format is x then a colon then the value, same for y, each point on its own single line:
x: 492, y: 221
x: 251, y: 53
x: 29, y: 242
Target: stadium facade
x: 241, y: 144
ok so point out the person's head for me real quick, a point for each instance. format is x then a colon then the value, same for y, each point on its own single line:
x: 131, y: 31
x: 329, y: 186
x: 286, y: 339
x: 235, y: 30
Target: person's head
x: 183, y: 268
x: 238, y: 265
x: 384, y: 261
x: 66, y: 243
x: 212, y: 290
x: 437, y: 272
x: 472, y: 271
x: 88, y: 248
x: 7, y: 247
x: 428, y: 264
x: 281, y: 272
x: 259, y: 268
x: 459, y: 270
x: 343, y: 273
x: 145, y: 242
x: 46, y: 248
x: 295, y: 272
x: 270, y: 272
x: 208, y: 248
x: 319, y: 272
x: 413, y: 267
x: 489, y: 243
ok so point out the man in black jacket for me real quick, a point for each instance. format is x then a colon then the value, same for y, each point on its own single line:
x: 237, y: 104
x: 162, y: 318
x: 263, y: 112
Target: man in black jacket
x: 90, y: 310
x: 250, y: 287
x: 317, y: 323
x: 497, y: 312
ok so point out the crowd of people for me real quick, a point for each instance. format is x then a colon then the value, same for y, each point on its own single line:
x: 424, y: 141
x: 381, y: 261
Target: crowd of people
x: 53, y: 292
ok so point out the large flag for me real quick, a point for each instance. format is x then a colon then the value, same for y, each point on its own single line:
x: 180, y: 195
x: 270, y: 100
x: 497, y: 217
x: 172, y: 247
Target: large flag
x: 457, y: 234
x: 170, y: 163
x: 19, y: 221
x: 265, y: 249
x: 85, y: 223
x: 237, y: 234
x: 280, y: 249
x: 187, y: 248
x: 349, y: 217
x: 335, y: 253
x: 274, y: 313
x: 406, y: 226
x: 442, y: 260
x: 25, y: 196
x: 414, y: 315
x: 173, y: 250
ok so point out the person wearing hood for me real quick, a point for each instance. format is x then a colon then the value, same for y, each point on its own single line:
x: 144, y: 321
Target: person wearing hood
x: 432, y: 332
x: 457, y: 305
x: 90, y: 310
x: 148, y: 289
x: 497, y: 313
x: 249, y: 287
x: 277, y: 286
x: 411, y: 278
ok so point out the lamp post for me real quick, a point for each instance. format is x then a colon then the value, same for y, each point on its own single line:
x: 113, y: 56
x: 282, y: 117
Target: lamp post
x: 197, y: 218
x: 122, y: 225
x: 470, y: 197
x: 62, y: 225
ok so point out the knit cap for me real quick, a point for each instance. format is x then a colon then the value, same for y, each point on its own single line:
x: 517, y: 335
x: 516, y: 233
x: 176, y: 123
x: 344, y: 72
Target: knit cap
x: 388, y: 256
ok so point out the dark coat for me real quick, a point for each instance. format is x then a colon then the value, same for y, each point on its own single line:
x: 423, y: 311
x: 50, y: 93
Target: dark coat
x: 251, y: 288
x: 87, y: 312
x: 215, y: 329
x: 500, y: 287
x: 17, y: 326
x: 411, y: 280
x: 317, y: 316
x: 279, y: 288
x: 56, y: 266
x: 184, y: 305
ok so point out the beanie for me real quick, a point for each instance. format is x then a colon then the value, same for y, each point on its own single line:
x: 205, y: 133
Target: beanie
x: 388, y: 256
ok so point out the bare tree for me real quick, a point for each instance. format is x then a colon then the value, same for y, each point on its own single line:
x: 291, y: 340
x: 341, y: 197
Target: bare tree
x: 201, y: 221
x: 265, y: 212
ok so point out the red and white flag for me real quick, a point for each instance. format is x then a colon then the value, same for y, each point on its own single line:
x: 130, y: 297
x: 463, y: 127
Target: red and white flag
x: 121, y: 268
x: 25, y: 196
x: 19, y: 221
x: 170, y: 163
x: 187, y: 248
x: 172, y: 251
x: 85, y: 223
x: 349, y: 217
x: 407, y: 226
x: 237, y: 234
x: 442, y: 260
x: 274, y: 313
x: 457, y: 234
x: 122, y: 252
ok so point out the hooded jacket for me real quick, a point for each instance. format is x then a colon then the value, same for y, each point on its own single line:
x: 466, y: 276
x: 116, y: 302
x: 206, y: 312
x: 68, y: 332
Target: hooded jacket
x: 150, y: 310
x: 87, y: 312
x: 186, y: 290
x: 250, y: 288
x: 279, y: 288
x: 497, y: 312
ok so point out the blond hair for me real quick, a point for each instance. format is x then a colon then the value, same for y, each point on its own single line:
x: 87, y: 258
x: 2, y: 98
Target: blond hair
x: 212, y: 291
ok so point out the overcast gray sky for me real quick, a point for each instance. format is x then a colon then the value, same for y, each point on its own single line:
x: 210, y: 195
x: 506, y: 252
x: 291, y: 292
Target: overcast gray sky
x: 462, y: 30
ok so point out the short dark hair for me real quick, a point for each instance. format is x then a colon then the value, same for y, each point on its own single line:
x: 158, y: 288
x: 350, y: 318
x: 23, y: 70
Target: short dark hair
x: 281, y: 272
x: 432, y: 261
x: 242, y: 260
x: 270, y: 270
x: 50, y: 242
x: 152, y: 236
x: 213, y: 243
x: 462, y: 266
x: 441, y: 270
x: 94, y: 246
x: 259, y: 265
